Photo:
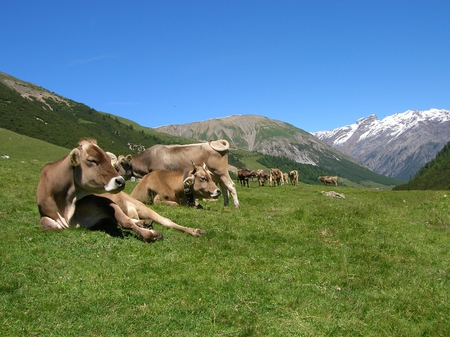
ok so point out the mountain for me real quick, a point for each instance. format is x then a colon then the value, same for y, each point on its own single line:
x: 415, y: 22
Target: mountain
x: 274, y: 138
x: 260, y: 134
x: 33, y: 111
x: 257, y: 133
x: 434, y: 175
x: 396, y: 146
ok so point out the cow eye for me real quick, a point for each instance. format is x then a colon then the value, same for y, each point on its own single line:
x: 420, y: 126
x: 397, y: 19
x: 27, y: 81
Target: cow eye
x: 93, y: 161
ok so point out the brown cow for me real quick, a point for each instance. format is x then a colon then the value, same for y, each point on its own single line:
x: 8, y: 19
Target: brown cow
x: 262, y: 176
x: 329, y: 180
x: 243, y: 176
x: 179, y: 158
x: 176, y: 187
x: 285, y: 179
x: 66, y: 195
x: 275, y: 177
x: 293, y: 177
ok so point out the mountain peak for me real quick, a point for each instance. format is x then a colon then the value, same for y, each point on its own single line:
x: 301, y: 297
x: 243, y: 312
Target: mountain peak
x: 370, y: 118
x: 260, y: 134
x: 398, y: 145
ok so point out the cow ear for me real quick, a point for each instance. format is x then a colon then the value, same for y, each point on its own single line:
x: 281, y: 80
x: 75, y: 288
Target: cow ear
x: 75, y: 157
x: 189, y: 181
x: 128, y: 158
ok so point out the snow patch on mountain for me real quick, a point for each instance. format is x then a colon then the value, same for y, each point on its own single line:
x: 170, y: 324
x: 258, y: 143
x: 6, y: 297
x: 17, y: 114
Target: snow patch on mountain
x: 383, y: 144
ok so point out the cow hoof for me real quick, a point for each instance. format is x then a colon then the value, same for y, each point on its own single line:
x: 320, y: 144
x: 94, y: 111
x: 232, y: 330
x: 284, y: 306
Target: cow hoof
x: 153, y: 236
x: 148, y: 224
x: 199, y: 232
x: 198, y: 206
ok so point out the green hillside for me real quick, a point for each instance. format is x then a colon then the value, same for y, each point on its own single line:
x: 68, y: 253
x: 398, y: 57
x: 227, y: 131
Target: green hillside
x: 63, y: 122
x: 35, y: 112
x: 435, y: 175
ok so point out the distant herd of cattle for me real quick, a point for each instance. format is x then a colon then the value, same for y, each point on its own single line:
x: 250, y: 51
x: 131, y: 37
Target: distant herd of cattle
x: 276, y: 178
x: 85, y: 188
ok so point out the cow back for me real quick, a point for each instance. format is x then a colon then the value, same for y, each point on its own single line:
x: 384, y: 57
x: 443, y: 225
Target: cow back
x: 179, y: 158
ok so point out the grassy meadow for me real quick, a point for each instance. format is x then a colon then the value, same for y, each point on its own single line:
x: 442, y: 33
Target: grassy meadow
x: 290, y: 262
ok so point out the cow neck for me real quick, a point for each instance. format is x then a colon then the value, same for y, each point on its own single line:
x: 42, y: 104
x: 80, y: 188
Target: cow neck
x: 131, y: 168
x: 188, y: 190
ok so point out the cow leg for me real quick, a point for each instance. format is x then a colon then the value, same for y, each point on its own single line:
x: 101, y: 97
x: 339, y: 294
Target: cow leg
x: 148, y: 235
x: 158, y: 200
x: 224, y: 190
x: 228, y: 185
x: 145, y: 213
x: 48, y: 223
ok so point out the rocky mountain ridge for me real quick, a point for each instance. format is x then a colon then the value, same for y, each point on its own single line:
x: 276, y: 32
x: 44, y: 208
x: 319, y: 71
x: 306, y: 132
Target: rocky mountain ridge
x: 396, y: 146
x: 260, y: 134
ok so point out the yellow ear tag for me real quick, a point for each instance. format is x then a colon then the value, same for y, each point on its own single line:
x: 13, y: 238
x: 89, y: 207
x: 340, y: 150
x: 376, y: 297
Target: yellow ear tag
x: 188, y: 182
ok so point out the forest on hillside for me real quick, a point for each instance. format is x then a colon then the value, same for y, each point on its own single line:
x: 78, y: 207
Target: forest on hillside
x: 435, y: 175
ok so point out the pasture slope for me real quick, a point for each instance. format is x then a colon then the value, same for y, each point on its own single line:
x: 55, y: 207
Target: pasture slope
x: 289, y: 262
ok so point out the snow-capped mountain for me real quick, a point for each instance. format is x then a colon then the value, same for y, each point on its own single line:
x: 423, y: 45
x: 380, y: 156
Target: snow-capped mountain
x: 396, y: 146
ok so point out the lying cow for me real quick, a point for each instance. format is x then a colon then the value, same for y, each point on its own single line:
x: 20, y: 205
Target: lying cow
x: 244, y: 175
x: 293, y: 177
x: 179, y: 158
x: 329, y: 180
x: 275, y: 177
x: 83, y: 189
x: 176, y: 187
x: 262, y: 176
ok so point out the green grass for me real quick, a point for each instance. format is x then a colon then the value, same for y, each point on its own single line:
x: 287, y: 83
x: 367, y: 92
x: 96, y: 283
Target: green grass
x: 289, y: 262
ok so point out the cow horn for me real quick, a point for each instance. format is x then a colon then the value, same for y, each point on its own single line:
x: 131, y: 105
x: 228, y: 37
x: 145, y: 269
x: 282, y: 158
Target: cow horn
x: 194, y: 167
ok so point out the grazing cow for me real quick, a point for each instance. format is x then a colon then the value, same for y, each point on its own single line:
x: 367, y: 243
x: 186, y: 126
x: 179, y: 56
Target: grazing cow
x: 262, y: 176
x: 176, y: 187
x: 275, y: 177
x: 285, y: 178
x: 293, y: 177
x: 243, y: 176
x: 179, y: 158
x: 83, y: 189
x: 329, y: 180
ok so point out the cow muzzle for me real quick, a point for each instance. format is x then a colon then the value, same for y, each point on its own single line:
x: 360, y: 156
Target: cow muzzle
x: 216, y: 193
x: 115, y: 185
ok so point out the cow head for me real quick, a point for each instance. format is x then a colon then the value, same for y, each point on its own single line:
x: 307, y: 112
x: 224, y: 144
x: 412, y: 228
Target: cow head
x: 200, y: 183
x: 123, y: 166
x: 93, y: 171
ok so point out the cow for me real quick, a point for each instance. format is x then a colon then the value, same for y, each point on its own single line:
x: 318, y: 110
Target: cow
x: 285, y: 179
x: 275, y: 177
x: 83, y: 189
x: 293, y: 177
x: 244, y: 175
x: 262, y: 176
x: 179, y: 158
x: 329, y: 180
x: 176, y: 187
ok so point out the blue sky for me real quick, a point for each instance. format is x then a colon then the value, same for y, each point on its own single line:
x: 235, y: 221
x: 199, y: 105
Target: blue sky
x: 316, y: 64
